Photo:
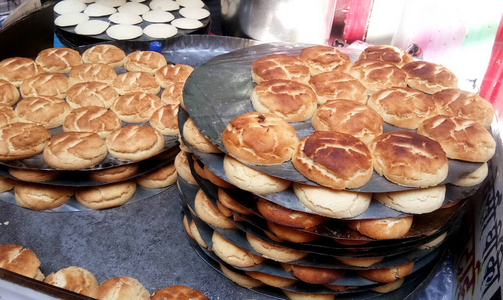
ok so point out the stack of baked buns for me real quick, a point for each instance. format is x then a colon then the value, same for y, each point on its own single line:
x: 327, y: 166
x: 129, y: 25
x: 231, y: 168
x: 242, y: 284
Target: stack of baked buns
x: 88, y: 129
x: 361, y: 200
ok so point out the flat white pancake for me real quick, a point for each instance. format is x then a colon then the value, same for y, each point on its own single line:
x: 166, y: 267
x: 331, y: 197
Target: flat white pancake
x: 69, y: 6
x: 71, y: 19
x: 194, y: 13
x: 125, y: 18
x: 91, y: 27
x: 191, y: 3
x: 160, y: 31
x: 166, y: 5
x: 124, y: 32
x: 133, y: 8
x: 99, y: 10
x: 158, y: 16
x: 112, y: 3
x: 184, y: 23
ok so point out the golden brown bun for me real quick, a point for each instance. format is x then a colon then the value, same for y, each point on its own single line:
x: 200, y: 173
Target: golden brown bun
x: 92, y: 119
x: 279, y: 66
x: 409, y: 159
x: 8, y: 93
x: 178, y: 292
x: 402, y: 107
x: 136, y: 107
x: 91, y: 93
x: 106, y: 54
x: 58, y: 60
x: 333, y: 159
x: 260, y: 139
x: 165, y: 119
x: 274, y: 252
x: 145, y: 61
x: 271, y: 280
x: 136, y: 82
x: 6, y: 184
x: 159, y: 178
x: 17, y: 69
x: 348, y: 116
x: 429, y: 77
x: 387, y: 275
x: 386, y: 53
x: 7, y: 115
x: 324, y: 59
x: 290, y: 234
x: 75, y: 279
x: 22, y: 261
x: 196, y: 235
x: 209, y: 213
x: 389, y: 287
x: 208, y: 174
x: 195, y: 138
x: 47, y: 111
x: 232, y: 254
x: 314, y: 275
x: 74, y: 150
x: 186, y: 226
x: 338, y: 85
x: 45, y: 84
x: 416, y: 201
x: 242, y: 280
x: 173, y: 94
x: 91, y: 72
x: 183, y: 168
x: 359, y: 261
x: 114, y: 174
x: 307, y: 296
x: 135, y: 142
x: 169, y: 74
x: 231, y: 204
x: 121, y: 288
x: 376, y: 75
x: 106, y: 196
x: 40, y: 196
x: 22, y: 140
x: 382, y: 229
x: 463, y: 104
x: 288, y: 99
x: 287, y: 217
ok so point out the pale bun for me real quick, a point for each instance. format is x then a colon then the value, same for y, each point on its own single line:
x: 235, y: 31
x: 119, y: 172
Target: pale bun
x: 274, y: 252
x: 416, y: 201
x: 210, y: 214
x: 106, y: 54
x: 232, y: 254
x: 145, y: 61
x: 195, y: 138
x: 136, y: 81
x: 91, y: 93
x: 106, y: 196
x: 474, y: 178
x: 169, y: 74
x: 183, y: 168
x: 40, y: 196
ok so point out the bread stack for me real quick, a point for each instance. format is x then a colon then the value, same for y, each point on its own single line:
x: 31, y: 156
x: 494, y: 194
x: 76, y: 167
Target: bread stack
x: 318, y: 203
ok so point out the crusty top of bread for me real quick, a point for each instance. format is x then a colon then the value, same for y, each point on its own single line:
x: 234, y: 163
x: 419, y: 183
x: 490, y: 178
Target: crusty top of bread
x: 17, y: 69
x: 279, y: 66
x: 106, y: 54
x: 58, y: 60
x: 146, y: 61
x: 386, y: 53
x: 429, y: 77
x: 322, y: 58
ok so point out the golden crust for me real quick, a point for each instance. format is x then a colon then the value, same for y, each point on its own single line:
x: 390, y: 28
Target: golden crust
x: 7, y: 115
x: 209, y: 213
x: 8, y: 93
x: 120, y: 288
x: 324, y: 59
x: 274, y: 252
x: 136, y: 81
x: 279, y: 66
x: 47, y: 111
x: 114, y: 174
x: 45, y: 84
x: 172, y: 93
x: 135, y: 142
x: 359, y: 261
x: 271, y: 280
x: 232, y: 254
x: 17, y: 69
x: 136, y: 107
x: 58, y: 60
x: 165, y: 119
x: 288, y: 217
x: 195, y: 138
x: 106, y: 54
x: 106, y: 196
x: 386, y: 53
x: 33, y: 175
x: 40, y: 196
x: 18, y: 260
x: 75, y: 279
x: 159, y: 178
x: 231, y: 204
x: 387, y: 275
x: 22, y: 140
x: 382, y: 229
x: 316, y: 275
x: 429, y: 77
x: 145, y: 61
x: 92, y: 119
x: 92, y: 72
x: 178, y: 292
x: 169, y: 74
x: 290, y: 234
x: 338, y: 85
x: 376, y: 75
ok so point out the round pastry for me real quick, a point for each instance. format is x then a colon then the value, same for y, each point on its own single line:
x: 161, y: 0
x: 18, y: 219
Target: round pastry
x: 92, y: 72
x: 260, y: 139
x: 473, y: 178
x: 136, y: 107
x: 416, y: 201
x: 45, y: 84
x: 169, y: 74
x: 274, y: 252
x: 145, y: 61
x: 242, y: 280
x: 118, y: 288
x: 106, y: 196
x: 337, y: 85
x: 288, y: 217
x: 58, y: 60
x: 332, y: 203
x: 135, y: 142
x: 251, y: 180
x: 114, y: 174
x: 463, y: 104
x: 429, y: 77
x: 172, y: 93
x: 232, y: 254
x: 348, y: 116
x: 47, y: 111
x: 386, y: 275
x: 291, y: 100
x: 195, y: 138
x: 207, y: 212
x: 460, y: 138
x: 409, y: 159
x: 16, y: 69
x: 8, y: 93
x: 183, y: 168
x: 389, y: 287
x: 75, y: 279
x: 402, y: 107
x: 231, y: 204
x: 105, y: 54
x: 92, y: 119
x: 314, y: 275
x: 382, y: 229
x: 321, y: 59
x: 386, y: 53
x: 198, y: 168
x: 6, y: 184
x: 376, y: 75
x: 33, y: 175
x: 7, y: 115
x: 40, y: 197
x: 22, y: 140
x: 136, y: 82
x: 271, y: 280
x: 74, y: 150
x: 165, y: 120
x: 307, y: 296
x: 196, y: 235
x: 21, y: 261
x: 91, y: 93
x: 178, y: 292
x: 208, y: 174
x: 279, y: 66
x: 159, y: 178
x: 290, y: 234
x: 333, y: 159
x: 363, y: 262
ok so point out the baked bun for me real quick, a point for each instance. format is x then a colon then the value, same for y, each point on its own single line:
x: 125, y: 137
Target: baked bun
x: 460, y: 138
x: 21, y: 261
x: 22, y: 140
x: 33, y: 175
x: 271, y: 280
x: 159, y: 178
x: 183, y: 168
x: 333, y: 159
x: 307, y: 296
x: 45, y: 84
x: 6, y: 184
x: 105, y: 54
x: 363, y: 262
x: 92, y: 119
x: 169, y: 74
x: 232, y: 254
x: 47, y: 111
x: 16, y: 69
x: 386, y: 275
x: 91, y: 93
x: 135, y: 142
x: 173, y: 94
x: 145, y: 61
x: 260, y: 139
x: 291, y: 100
x: 8, y: 93
x: 58, y: 60
x: 274, y: 252
x: 114, y: 174
x: 196, y: 235
x: 376, y: 75
x: 207, y: 212
x: 178, y: 292
x: 429, y: 77
x: 7, y: 115
x: 473, y: 178
x: 402, y: 107
x: 251, y: 180
x: 106, y: 196
x: 242, y: 280
x: 417, y: 201
x: 231, y: 204
x: 321, y: 59
x: 165, y: 119
x: 287, y: 217
x: 119, y: 288
x: 337, y: 85
x: 386, y: 53
x: 92, y: 72
x: 75, y: 279
x: 389, y: 287
x: 435, y: 242
x: 348, y: 116
x: 382, y: 229
x: 40, y: 196
x: 74, y: 150
x: 136, y: 107
x: 213, y: 178
x: 463, y: 104
x: 279, y: 66
x: 136, y: 82
x: 195, y: 138
x: 409, y: 159
x: 332, y: 203
x: 290, y: 234
x: 314, y: 275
